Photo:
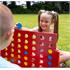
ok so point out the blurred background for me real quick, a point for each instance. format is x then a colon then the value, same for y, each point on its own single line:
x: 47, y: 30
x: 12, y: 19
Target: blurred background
x: 24, y: 7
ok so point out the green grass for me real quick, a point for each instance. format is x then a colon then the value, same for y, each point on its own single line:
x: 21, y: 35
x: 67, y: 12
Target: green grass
x: 30, y: 21
x: 64, y: 32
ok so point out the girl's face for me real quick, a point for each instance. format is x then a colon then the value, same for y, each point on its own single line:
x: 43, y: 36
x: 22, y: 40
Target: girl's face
x: 45, y: 21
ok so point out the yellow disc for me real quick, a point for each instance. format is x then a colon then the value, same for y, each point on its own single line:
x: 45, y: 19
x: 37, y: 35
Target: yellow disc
x: 12, y: 55
x: 50, y: 51
x: 25, y: 58
x: 19, y: 51
x: 25, y: 63
x: 12, y: 50
x: 19, y: 56
x: 34, y: 48
x: 26, y: 35
x: 26, y: 41
x: 26, y: 47
x: 19, y: 46
x: 34, y: 36
x: 33, y: 42
x: 19, y: 40
x: 19, y: 35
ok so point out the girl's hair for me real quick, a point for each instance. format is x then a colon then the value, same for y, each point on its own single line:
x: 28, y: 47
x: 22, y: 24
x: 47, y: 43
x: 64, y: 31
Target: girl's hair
x: 39, y: 13
x: 54, y: 20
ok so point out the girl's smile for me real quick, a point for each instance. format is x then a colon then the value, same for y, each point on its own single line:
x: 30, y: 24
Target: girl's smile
x: 45, y: 21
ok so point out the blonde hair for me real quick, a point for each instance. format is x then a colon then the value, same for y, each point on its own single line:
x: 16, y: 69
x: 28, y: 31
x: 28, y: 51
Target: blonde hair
x: 54, y: 19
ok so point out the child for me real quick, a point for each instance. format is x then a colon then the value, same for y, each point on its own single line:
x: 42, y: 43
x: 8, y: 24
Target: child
x: 6, y: 33
x: 48, y: 22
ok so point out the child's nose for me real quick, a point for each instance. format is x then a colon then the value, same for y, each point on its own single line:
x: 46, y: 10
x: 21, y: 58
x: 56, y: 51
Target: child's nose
x: 43, y: 23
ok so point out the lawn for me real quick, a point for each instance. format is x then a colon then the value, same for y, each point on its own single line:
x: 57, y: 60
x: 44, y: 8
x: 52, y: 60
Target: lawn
x: 30, y: 21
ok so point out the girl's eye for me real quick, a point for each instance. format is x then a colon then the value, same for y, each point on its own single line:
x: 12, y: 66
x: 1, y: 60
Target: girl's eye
x: 46, y: 21
x: 41, y: 20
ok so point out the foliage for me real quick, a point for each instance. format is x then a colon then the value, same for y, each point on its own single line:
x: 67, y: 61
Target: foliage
x: 60, y: 7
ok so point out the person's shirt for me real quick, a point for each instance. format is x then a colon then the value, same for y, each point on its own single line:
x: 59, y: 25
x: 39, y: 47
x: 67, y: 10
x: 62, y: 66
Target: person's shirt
x: 6, y: 64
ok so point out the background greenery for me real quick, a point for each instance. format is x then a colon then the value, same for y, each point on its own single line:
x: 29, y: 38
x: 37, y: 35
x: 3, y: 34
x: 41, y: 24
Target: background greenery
x: 58, y: 6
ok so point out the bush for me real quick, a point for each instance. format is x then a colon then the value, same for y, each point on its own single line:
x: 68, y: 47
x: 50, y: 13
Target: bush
x: 38, y: 6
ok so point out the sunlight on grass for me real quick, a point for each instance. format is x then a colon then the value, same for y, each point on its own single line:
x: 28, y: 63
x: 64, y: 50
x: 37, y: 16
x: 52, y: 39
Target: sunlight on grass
x: 27, y: 20
x: 64, y: 33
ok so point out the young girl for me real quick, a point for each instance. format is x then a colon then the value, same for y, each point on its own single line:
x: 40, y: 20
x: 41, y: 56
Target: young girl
x: 48, y: 22
x: 6, y: 33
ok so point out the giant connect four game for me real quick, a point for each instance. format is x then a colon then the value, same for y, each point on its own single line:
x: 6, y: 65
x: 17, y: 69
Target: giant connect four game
x: 32, y: 49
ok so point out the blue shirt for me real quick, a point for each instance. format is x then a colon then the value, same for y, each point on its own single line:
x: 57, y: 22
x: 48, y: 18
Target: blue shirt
x: 6, y: 64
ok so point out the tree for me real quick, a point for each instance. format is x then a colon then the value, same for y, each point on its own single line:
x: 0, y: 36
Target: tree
x: 65, y: 7
x: 5, y: 3
x: 28, y: 4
